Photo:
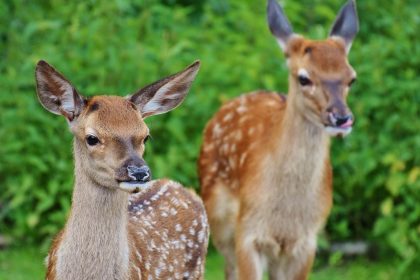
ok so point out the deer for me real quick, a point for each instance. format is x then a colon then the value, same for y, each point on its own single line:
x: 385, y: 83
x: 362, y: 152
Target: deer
x: 122, y: 224
x: 264, y: 165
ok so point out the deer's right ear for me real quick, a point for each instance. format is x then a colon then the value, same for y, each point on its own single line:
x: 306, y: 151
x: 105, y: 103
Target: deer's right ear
x: 56, y: 93
x: 278, y: 23
x: 165, y: 94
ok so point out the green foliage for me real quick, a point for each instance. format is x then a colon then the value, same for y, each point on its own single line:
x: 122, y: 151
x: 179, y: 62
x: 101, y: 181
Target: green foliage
x: 115, y: 47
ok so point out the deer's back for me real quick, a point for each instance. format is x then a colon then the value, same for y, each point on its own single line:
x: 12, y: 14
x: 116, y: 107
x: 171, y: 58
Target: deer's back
x: 236, y: 137
x: 169, y: 227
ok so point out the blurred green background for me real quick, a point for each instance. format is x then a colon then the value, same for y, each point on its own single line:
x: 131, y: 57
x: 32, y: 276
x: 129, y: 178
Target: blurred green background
x: 116, y: 47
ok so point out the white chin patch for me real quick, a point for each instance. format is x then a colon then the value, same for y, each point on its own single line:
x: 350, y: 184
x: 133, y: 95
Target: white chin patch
x: 337, y: 131
x: 133, y: 187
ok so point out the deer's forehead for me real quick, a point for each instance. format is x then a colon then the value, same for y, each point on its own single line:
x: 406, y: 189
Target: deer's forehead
x: 327, y: 56
x: 114, y: 115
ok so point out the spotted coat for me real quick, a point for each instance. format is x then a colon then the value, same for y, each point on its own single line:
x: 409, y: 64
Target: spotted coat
x: 167, y: 232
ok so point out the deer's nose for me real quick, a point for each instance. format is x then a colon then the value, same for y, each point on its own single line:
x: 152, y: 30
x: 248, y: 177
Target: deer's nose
x: 341, y: 121
x: 141, y: 174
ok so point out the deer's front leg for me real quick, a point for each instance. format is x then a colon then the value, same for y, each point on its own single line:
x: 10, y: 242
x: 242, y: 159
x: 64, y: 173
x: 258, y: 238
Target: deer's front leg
x: 250, y: 266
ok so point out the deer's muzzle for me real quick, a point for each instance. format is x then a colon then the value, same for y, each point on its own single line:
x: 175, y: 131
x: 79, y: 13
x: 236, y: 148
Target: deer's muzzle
x: 134, y: 177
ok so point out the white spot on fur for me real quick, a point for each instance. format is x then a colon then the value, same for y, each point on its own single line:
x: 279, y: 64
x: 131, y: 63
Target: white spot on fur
x: 228, y: 117
x: 242, y: 159
x: 241, y: 109
x: 201, y: 236
x: 213, y: 168
x: 173, y: 211
x: 303, y: 72
x: 217, y: 130
x: 137, y: 270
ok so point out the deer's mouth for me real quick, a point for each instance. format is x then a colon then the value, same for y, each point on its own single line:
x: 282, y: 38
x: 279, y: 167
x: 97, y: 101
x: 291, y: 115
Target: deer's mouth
x: 338, y: 131
x: 339, y: 127
x: 133, y: 186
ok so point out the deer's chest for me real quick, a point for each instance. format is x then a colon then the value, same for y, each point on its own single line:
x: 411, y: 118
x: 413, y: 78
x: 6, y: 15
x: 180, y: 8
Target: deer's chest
x: 288, y: 221
x: 291, y: 203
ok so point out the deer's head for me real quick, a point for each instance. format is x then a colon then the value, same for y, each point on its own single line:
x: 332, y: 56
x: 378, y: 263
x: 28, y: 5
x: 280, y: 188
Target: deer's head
x: 320, y: 74
x: 109, y: 131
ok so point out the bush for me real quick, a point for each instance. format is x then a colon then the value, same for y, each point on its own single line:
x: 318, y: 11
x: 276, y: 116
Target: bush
x: 115, y: 47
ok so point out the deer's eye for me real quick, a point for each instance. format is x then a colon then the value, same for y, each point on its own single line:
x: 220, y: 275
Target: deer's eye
x: 92, y: 140
x: 352, y: 82
x: 304, y: 81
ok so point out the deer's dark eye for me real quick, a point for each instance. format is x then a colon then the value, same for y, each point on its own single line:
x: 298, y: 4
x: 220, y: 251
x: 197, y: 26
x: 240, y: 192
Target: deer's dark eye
x: 92, y: 140
x: 304, y: 81
x: 352, y: 82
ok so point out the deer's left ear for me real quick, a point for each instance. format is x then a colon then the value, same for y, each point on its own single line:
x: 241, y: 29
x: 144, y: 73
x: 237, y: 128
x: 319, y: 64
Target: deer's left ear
x: 165, y: 94
x: 279, y: 24
x: 346, y: 24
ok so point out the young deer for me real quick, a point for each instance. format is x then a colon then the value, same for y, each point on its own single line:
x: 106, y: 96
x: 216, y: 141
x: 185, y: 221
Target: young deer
x: 164, y: 233
x: 264, y: 166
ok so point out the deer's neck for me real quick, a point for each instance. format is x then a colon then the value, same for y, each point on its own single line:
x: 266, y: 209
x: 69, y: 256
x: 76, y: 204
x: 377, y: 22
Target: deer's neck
x: 94, y: 244
x: 302, y: 149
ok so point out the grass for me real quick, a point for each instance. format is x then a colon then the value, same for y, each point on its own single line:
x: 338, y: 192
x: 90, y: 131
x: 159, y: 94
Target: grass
x: 27, y: 263
x: 21, y: 264
x: 360, y: 269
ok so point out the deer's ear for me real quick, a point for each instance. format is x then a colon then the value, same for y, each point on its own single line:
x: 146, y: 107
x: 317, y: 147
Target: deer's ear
x: 278, y: 23
x: 56, y: 93
x: 165, y: 94
x: 346, y: 24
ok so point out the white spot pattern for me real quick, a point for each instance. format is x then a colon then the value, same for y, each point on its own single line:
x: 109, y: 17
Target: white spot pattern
x: 171, y: 243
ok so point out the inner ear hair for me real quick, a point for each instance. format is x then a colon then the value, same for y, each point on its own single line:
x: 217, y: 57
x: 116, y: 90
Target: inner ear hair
x: 165, y: 94
x: 55, y: 92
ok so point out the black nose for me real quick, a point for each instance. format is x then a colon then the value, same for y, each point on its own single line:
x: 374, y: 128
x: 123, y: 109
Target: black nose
x: 141, y: 174
x: 340, y: 120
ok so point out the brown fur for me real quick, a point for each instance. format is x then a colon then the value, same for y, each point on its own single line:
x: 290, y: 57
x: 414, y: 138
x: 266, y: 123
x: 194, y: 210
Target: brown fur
x: 157, y: 247
x: 52, y: 256
x: 264, y: 167
x: 164, y: 232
